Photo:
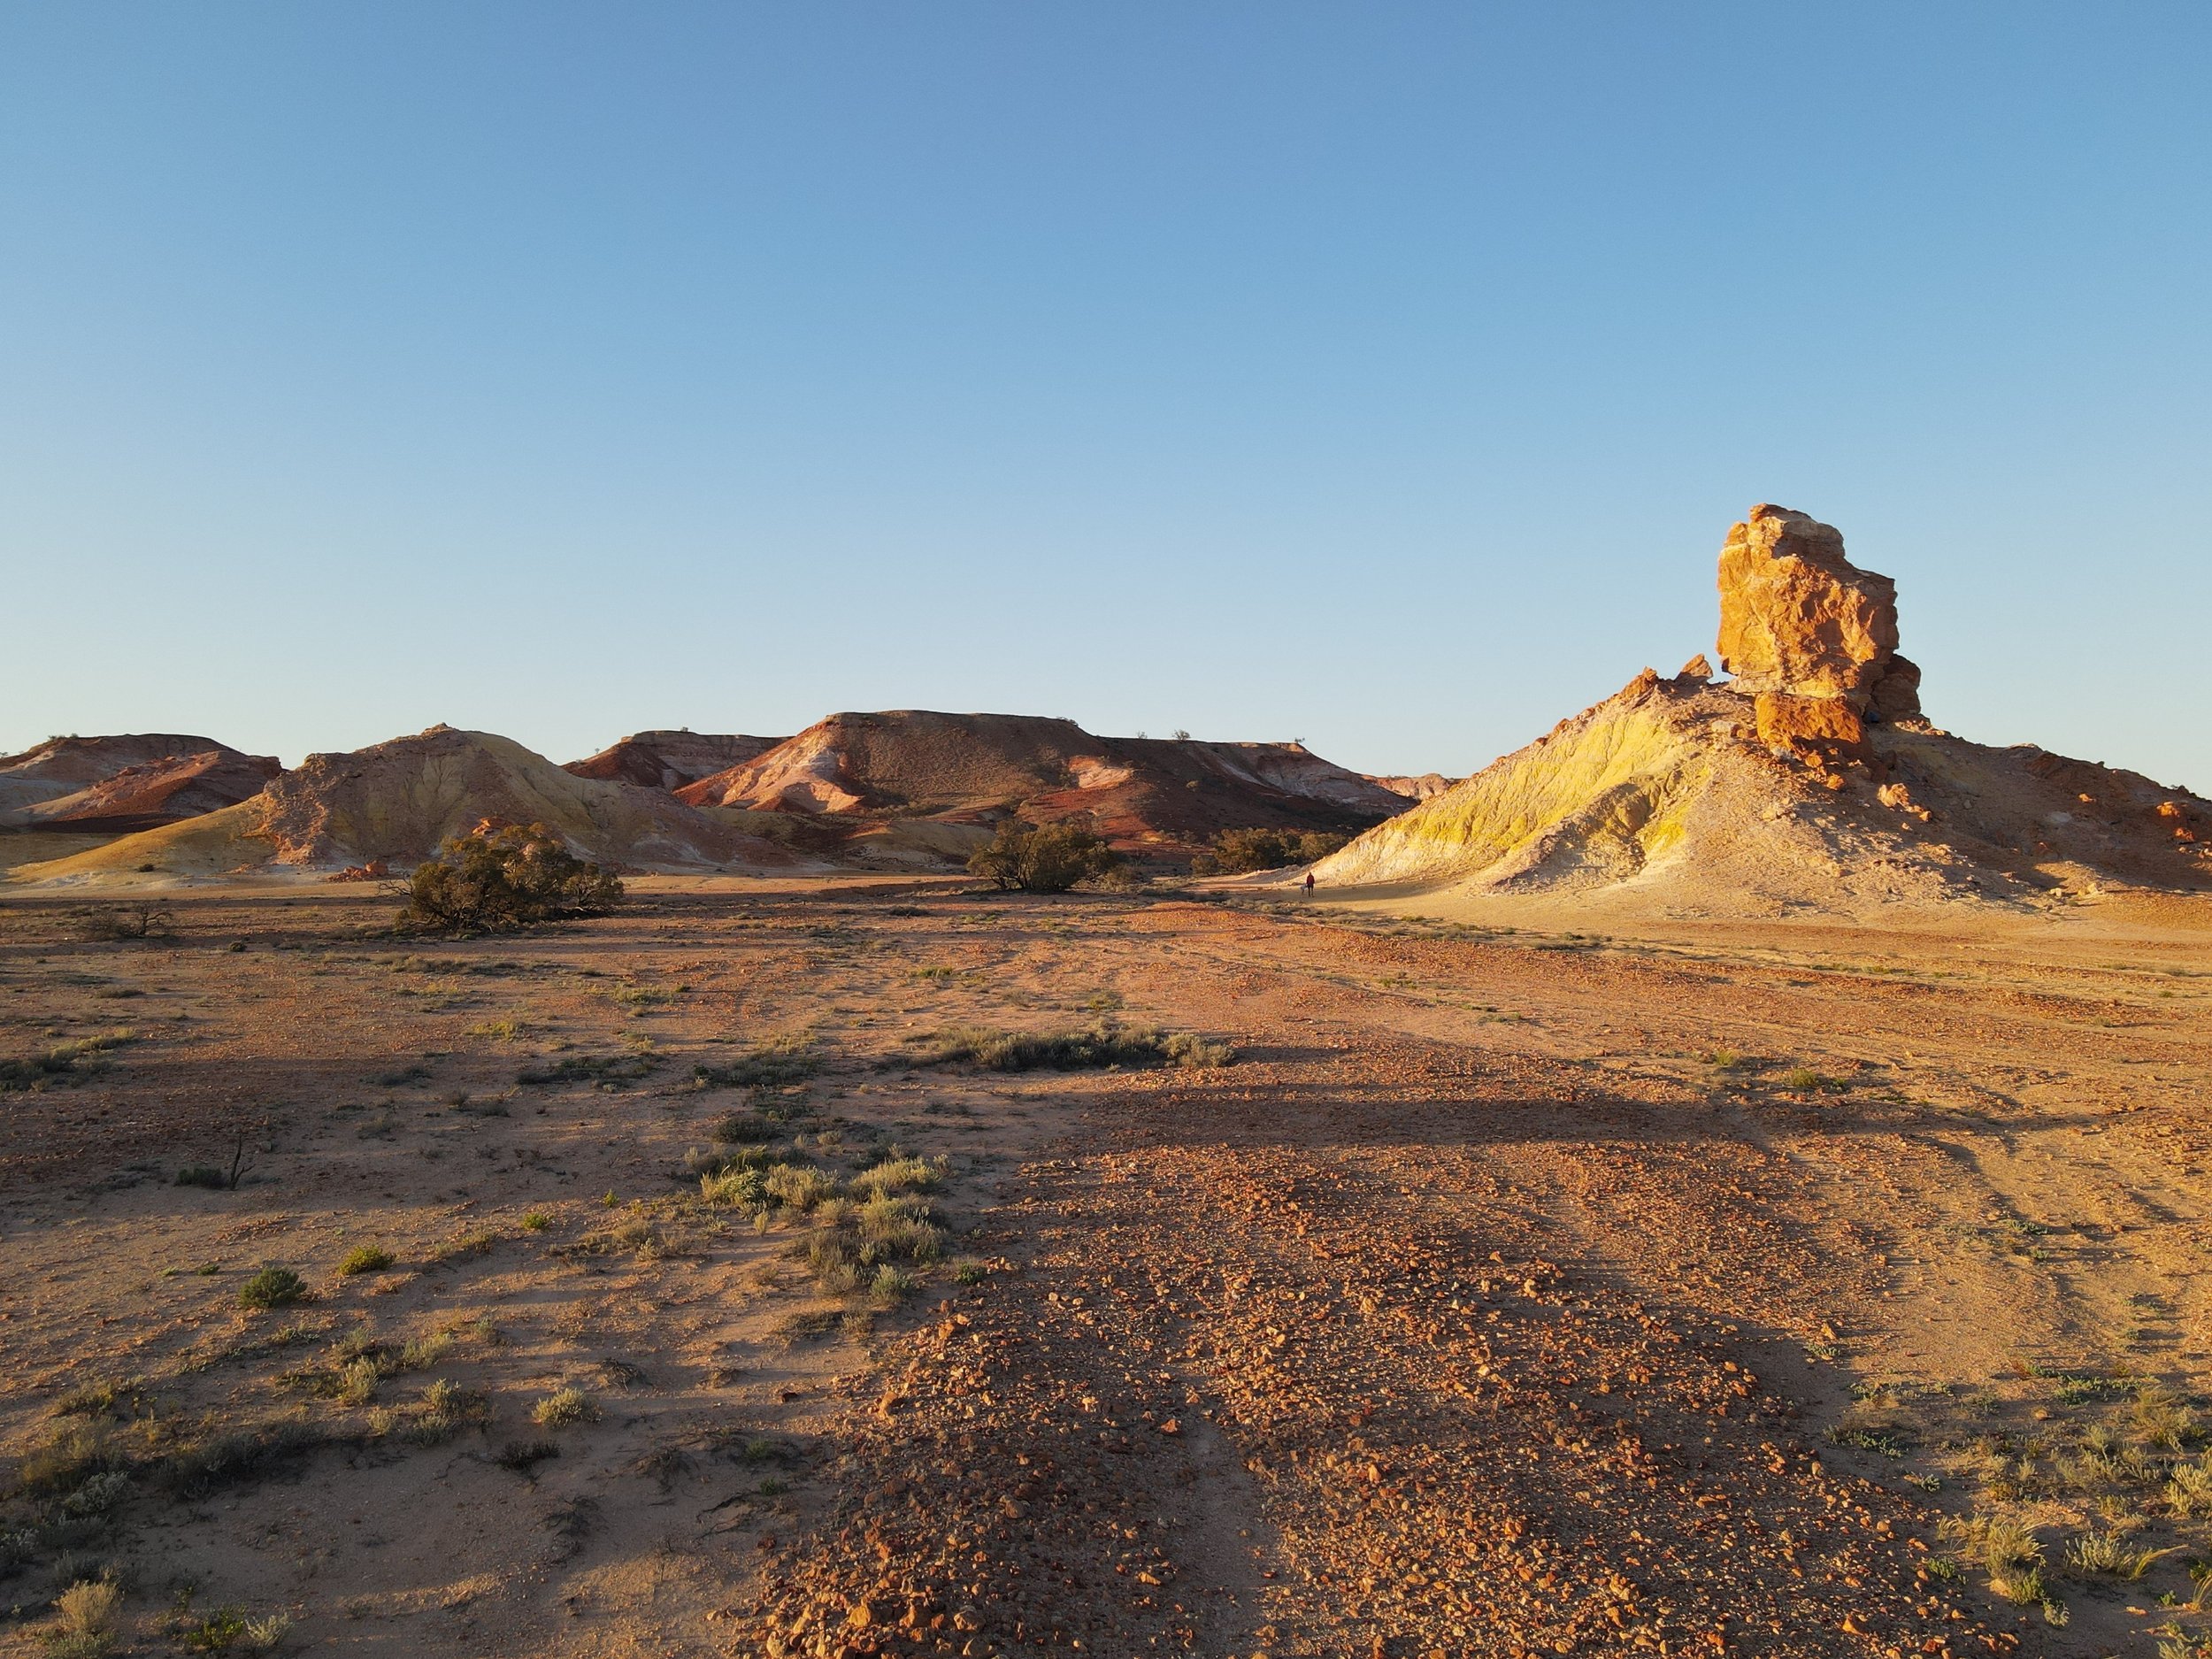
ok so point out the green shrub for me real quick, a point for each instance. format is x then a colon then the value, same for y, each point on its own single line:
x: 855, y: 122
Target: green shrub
x: 272, y: 1287
x: 228, y: 1630
x: 592, y: 1068
x: 563, y: 1408
x: 202, y: 1175
x: 1236, y: 851
x: 62, y: 1060
x: 894, y: 1284
x: 1188, y: 1048
x: 797, y: 1188
x: 740, y: 1186
x: 513, y: 877
x: 365, y: 1259
x: 789, y: 1058
x: 901, y: 1174
x: 1048, y: 860
x: 1101, y: 1045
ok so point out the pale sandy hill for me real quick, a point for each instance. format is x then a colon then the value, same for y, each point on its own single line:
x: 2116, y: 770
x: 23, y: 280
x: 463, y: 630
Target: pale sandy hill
x: 919, y: 767
x: 35, y: 784
x: 397, y: 801
x: 669, y: 760
x: 1664, y: 797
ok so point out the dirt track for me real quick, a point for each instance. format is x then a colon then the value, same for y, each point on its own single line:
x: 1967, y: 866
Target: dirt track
x: 1510, y: 1295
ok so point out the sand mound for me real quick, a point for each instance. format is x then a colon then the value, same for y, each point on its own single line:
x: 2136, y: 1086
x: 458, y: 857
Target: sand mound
x: 398, y: 801
x: 917, y: 767
x: 105, y: 783
x: 669, y: 760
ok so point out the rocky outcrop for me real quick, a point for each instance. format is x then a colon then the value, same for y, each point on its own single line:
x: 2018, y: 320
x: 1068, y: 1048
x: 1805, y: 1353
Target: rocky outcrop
x: 669, y: 760
x: 1165, y: 795
x: 1811, y: 636
x: 1419, y: 787
x: 116, y: 785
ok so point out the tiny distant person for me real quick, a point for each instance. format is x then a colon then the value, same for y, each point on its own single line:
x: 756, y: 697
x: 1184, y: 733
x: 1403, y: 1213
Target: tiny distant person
x: 1308, y: 883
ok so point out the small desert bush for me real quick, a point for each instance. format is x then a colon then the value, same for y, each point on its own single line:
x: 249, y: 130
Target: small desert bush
x: 1188, y: 1048
x: 835, y: 1260
x: 789, y: 1058
x: 894, y: 1284
x: 1236, y: 851
x: 607, y: 1070
x: 1100, y: 1046
x: 272, y: 1287
x: 438, y: 1414
x: 87, y: 1609
x: 124, y: 921
x: 1048, y: 860
x: 365, y: 1259
x: 536, y: 1221
x: 229, y: 1630
x: 899, y: 1173
x: 63, y: 1061
x: 795, y: 1187
x: 744, y: 1187
x: 563, y: 1408
x: 745, y: 1129
x: 2008, y: 1552
x: 2109, y: 1553
x: 522, y: 1456
x: 514, y: 877
x: 899, y: 1227
x: 357, y: 1382
x: 2189, y: 1487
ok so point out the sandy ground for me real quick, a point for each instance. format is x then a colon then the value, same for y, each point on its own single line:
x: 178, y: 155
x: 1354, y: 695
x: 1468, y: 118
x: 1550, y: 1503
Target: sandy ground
x: 1513, y: 1293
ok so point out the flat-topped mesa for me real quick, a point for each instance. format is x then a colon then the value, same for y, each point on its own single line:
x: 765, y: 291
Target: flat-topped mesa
x: 1812, y: 637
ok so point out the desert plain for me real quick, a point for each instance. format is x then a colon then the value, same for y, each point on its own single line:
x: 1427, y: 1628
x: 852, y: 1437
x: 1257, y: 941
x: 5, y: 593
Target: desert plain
x: 1728, y: 1178
x: 1707, y: 1289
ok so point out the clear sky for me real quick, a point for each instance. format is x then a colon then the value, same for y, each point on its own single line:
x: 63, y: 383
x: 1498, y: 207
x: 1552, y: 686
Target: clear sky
x: 1384, y: 375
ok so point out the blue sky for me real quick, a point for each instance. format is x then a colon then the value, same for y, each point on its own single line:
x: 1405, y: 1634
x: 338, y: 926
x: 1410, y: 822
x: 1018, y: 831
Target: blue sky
x: 1382, y: 375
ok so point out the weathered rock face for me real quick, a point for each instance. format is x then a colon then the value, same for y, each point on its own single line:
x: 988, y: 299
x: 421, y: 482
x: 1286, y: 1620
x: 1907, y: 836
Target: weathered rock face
x: 1810, y: 635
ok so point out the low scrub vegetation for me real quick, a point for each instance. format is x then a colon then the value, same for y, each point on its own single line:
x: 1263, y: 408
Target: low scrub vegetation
x: 1096, y: 1047
x: 1051, y: 859
x: 126, y: 921
x: 365, y: 1259
x: 790, y: 1058
x: 513, y: 877
x: 64, y: 1061
x: 1236, y: 851
x: 565, y: 1407
x: 608, y: 1070
x: 272, y: 1287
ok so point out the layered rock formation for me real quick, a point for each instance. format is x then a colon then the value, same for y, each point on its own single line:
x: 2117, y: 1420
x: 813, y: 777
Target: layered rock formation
x: 1694, y: 797
x: 114, y: 785
x: 1811, y: 636
x: 669, y: 760
x: 396, y: 802
x: 935, y: 781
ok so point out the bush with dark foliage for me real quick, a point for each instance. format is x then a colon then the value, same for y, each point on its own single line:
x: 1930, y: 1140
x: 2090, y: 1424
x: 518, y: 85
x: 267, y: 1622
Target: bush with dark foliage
x: 509, y: 877
x: 1051, y: 859
x: 1237, y: 851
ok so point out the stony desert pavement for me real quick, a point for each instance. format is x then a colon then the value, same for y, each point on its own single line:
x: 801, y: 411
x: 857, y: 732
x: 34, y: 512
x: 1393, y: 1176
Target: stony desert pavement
x: 1708, y: 1291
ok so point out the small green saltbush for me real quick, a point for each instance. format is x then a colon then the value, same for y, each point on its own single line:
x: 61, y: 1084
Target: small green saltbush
x: 272, y: 1287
